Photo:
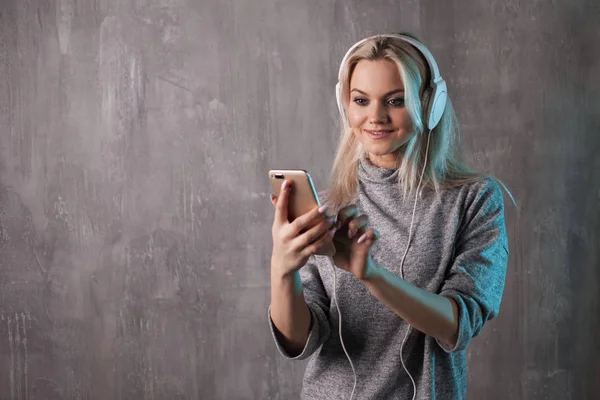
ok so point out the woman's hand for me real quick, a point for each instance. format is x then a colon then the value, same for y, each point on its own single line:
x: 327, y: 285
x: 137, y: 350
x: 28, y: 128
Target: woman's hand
x: 353, y: 241
x: 291, y: 246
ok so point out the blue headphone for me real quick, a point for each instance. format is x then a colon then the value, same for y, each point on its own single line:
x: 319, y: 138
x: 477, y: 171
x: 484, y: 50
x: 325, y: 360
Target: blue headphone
x: 434, y: 96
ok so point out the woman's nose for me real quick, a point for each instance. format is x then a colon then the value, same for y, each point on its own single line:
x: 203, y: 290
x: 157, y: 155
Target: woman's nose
x: 378, y: 113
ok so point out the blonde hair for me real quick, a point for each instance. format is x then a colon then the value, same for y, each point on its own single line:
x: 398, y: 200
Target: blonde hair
x: 445, y: 165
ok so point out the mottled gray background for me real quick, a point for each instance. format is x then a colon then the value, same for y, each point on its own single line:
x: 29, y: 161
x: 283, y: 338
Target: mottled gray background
x: 135, y: 138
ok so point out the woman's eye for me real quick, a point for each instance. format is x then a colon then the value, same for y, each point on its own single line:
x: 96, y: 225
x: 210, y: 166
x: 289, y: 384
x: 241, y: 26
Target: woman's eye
x: 393, y: 102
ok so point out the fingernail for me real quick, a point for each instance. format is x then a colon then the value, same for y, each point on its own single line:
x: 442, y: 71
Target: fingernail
x: 284, y: 185
x: 323, y: 208
x: 362, y: 238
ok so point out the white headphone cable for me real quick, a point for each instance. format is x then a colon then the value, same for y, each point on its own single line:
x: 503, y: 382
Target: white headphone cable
x: 402, y: 263
x: 340, y: 326
x: 401, y: 276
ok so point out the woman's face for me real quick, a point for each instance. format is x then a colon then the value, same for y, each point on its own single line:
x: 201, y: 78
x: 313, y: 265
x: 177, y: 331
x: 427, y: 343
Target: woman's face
x: 376, y: 111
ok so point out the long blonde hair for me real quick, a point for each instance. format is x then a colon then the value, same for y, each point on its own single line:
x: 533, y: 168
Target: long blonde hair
x: 445, y: 165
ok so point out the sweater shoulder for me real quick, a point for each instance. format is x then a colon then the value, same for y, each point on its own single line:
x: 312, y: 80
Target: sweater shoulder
x: 483, y: 190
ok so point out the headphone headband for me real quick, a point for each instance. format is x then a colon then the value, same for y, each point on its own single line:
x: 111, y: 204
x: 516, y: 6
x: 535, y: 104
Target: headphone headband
x: 435, y: 72
x: 438, y: 96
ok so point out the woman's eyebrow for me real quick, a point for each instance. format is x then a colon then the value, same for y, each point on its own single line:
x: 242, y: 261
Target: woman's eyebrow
x: 385, y: 95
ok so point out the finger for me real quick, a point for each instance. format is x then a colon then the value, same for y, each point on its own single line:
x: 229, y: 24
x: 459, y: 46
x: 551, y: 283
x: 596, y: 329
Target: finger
x: 273, y: 199
x: 315, y: 246
x: 359, y: 224
x: 281, y: 208
x: 346, y: 214
x: 369, y: 237
x: 311, y: 218
x: 313, y: 234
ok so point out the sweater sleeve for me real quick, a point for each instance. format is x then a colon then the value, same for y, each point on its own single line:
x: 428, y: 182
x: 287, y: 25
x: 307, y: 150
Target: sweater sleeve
x: 318, y: 304
x: 475, y: 280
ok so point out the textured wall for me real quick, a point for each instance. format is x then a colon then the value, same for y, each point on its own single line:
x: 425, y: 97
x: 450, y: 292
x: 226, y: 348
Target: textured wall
x: 135, y: 137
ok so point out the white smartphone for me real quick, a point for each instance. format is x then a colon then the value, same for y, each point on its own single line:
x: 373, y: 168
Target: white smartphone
x: 304, y: 196
x: 303, y: 199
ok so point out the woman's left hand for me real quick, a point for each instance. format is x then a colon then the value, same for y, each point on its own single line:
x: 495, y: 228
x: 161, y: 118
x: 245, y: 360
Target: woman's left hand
x: 353, y: 241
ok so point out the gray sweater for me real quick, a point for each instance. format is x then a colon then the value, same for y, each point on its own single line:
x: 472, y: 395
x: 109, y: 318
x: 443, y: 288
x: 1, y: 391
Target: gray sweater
x: 459, y: 249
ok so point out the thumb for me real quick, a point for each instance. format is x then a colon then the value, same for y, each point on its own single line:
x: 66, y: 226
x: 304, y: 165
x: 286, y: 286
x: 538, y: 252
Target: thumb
x: 368, y: 239
x: 281, y: 204
x: 361, y: 251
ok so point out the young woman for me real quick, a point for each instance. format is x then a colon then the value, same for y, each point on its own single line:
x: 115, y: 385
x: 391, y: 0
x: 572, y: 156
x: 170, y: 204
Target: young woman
x: 421, y: 241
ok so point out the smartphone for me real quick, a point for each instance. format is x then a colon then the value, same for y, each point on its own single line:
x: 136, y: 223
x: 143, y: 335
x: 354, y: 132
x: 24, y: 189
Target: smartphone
x: 303, y: 198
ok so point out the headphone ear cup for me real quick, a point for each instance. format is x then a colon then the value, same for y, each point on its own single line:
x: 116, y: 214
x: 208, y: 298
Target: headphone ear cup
x: 425, y: 106
x: 340, y: 102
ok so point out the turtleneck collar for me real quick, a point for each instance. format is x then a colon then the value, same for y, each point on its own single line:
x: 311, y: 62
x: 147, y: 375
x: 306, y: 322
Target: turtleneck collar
x: 373, y: 173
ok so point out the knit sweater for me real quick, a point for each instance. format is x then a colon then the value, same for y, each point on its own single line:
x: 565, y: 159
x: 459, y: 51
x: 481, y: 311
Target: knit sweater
x: 459, y: 250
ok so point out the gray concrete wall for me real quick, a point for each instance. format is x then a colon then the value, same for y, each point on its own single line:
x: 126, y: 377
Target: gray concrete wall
x: 135, y: 137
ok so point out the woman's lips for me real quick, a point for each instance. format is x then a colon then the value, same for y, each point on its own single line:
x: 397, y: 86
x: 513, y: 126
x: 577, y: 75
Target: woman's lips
x: 373, y: 135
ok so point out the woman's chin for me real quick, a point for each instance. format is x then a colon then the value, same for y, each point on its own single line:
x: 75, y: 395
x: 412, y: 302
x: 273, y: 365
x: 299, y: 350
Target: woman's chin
x: 380, y: 151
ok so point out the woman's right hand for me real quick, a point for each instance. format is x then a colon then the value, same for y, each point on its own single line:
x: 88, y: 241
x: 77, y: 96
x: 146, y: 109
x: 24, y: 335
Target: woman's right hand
x: 291, y: 246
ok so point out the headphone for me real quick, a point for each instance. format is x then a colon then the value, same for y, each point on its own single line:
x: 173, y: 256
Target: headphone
x: 434, y: 96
